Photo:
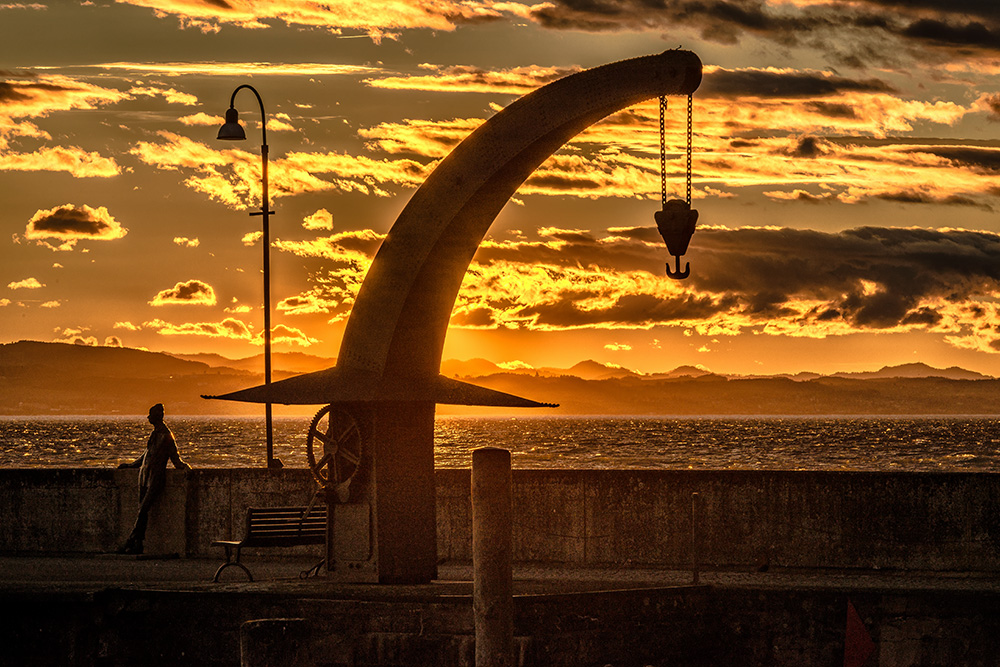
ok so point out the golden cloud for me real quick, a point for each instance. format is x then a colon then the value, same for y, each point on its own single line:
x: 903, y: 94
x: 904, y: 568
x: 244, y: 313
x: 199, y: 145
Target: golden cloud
x: 308, y: 303
x: 426, y: 138
x: 280, y: 122
x: 321, y: 219
x: 202, y: 118
x: 230, y: 327
x: 377, y: 20
x: 349, y: 256
x: 43, y: 94
x: 76, y: 161
x: 740, y: 141
x: 27, y: 283
x: 233, y: 176
x: 462, y: 78
x: 171, y: 95
x: 230, y: 69
x: 191, y: 292
x: 281, y: 334
x: 75, y: 337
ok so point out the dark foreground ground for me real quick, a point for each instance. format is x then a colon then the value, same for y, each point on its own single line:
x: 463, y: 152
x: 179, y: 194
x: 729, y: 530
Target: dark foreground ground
x: 120, y: 610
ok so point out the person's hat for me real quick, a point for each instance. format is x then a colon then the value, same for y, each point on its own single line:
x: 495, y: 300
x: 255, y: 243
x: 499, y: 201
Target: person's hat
x: 156, y: 410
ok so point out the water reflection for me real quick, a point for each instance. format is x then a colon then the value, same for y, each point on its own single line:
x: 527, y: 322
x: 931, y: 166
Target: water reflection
x: 545, y: 442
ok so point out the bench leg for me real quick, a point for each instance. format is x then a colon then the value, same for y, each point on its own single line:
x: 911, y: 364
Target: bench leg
x: 231, y: 561
x: 243, y: 567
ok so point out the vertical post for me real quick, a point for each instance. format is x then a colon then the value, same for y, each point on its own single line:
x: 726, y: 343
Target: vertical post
x: 266, y: 238
x: 695, y: 560
x: 492, y: 593
x: 403, y: 483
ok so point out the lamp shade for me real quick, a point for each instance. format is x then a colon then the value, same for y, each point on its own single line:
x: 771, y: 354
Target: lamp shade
x: 232, y: 130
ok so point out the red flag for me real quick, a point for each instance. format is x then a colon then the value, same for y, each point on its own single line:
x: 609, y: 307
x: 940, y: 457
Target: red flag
x: 858, y: 644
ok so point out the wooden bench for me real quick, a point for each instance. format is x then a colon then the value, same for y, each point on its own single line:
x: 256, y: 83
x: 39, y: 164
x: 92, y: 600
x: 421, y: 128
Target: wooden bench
x: 275, y: 527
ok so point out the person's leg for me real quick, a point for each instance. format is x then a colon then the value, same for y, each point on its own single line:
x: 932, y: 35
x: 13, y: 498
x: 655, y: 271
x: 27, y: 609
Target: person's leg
x: 147, y: 496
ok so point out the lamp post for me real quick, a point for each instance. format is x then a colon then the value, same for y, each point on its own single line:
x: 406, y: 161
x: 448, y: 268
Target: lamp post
x: 233, y: 131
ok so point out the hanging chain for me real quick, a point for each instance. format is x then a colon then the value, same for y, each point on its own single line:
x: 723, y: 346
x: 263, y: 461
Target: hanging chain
x: 690, y: 104
x: 663, y: 153
x: 663, y: 148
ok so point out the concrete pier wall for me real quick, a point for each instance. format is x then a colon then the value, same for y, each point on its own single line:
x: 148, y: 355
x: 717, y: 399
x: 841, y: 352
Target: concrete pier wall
x: 914, y: 521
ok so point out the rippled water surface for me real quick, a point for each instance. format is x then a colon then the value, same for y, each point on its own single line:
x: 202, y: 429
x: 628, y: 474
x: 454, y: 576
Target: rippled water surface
x: 794, y: 443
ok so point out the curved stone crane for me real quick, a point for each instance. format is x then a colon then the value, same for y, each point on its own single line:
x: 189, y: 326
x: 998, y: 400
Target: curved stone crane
x: 394, y: 339
x: 387, y: 376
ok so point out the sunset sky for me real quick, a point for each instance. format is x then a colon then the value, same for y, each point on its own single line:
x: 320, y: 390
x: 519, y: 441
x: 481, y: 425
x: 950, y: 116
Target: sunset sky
x: 846, y: 170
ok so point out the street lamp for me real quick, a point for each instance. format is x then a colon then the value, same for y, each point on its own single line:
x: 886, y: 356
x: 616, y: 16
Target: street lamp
x: 233, y: 131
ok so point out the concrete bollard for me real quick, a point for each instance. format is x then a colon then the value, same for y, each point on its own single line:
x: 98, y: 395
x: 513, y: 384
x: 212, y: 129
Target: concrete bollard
x: 275, y: 641
x: 493, y: 586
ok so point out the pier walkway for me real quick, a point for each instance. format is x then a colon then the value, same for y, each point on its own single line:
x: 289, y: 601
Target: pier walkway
x: 119, y: 610
x: 93, y: 572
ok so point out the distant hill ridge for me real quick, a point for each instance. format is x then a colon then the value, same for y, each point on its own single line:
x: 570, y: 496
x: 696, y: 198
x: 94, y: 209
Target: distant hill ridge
x: 39, y: 378
x: 595, y: 370
x: 290, y: 362
x: 916, y: 370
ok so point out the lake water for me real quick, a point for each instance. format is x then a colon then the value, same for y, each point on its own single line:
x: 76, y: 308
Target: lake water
x: 789, y: 443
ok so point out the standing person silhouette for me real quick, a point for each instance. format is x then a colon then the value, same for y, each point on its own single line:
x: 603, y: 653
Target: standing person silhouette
x: 152, y: 475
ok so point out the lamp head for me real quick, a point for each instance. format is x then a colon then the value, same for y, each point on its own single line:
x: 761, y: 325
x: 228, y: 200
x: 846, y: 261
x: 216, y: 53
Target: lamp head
x: 232, y: 130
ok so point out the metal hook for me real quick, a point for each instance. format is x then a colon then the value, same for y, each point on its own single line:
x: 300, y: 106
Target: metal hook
x: 677, y: 274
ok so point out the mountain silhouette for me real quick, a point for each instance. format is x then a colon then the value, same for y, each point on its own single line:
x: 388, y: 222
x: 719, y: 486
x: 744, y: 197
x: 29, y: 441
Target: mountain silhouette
x: 916, y: 370
x: 62, y: 379
x: 59, y: 378
x: 288, y: 362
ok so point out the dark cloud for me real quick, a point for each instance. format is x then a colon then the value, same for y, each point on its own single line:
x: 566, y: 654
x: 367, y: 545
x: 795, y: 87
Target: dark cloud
x: 973, y: 34
x: 984, y: 160
x: 191, y: 291
x: 70, y: 223
x: 562, y: 182
x: 11, y: 93
x: 923, y: 316
x: 569, y: 235
x: 19, y: 92
x: 807, y: 147
x: 742, y: 83
x: 867, y: 278
x: 856, y: 33
x: 993, y: 102
x: 719, y: 20
x: 914, y: 197
x: 832, y: 109
x: 901, y: 266
x: 476, y: 317
x: 630, y: 310
x: 810, y: 198
x: 67, y: 220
